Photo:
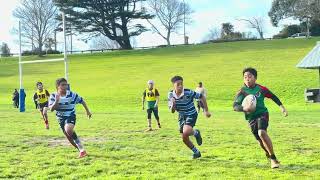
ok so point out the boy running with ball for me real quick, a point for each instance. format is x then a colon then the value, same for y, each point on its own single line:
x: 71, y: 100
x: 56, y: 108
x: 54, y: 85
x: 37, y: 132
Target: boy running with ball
x: 259, y: 118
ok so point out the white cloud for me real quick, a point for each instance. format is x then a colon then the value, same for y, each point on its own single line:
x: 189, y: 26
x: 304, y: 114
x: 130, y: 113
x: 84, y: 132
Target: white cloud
x: 205, y: 20
x: 242, y: 5
x: 7, y: 23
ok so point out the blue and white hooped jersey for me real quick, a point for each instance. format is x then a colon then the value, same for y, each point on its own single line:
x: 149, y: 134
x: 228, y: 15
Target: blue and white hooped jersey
x: 184, y: 103
x: 67, y: 104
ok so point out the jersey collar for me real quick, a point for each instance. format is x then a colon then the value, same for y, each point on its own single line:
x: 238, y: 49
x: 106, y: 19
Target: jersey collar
x: 176, y: 96
x: 250, y: 87
x: 67, y: 94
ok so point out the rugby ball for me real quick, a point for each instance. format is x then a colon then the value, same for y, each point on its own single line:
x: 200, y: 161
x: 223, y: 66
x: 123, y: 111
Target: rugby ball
x: 250, y: 102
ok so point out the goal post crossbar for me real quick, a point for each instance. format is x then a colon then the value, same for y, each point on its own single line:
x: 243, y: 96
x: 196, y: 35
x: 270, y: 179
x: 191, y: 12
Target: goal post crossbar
x: 41, y: 61
x: 65, y: 59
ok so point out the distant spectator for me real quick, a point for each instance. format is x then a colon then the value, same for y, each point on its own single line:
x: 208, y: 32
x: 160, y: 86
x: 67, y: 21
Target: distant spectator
x: 15, y: 98
x: 201, y: 90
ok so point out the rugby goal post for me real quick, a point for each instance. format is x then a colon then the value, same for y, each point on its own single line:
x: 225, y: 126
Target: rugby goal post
x: 22, y: 94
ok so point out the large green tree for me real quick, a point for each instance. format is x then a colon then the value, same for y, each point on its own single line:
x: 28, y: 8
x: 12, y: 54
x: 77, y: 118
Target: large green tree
x: 226, y: 29
x: 115, y: 19
x: 304, y: 10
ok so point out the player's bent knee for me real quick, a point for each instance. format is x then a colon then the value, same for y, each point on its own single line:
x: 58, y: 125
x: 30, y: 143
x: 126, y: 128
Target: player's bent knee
x: 68, y: 130
x: 187, y: 128
x: 69, y: 133
x: 262, y: 133
x: 185, y: 135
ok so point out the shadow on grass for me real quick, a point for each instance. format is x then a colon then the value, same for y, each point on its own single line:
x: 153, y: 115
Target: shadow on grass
x: 300, y: 167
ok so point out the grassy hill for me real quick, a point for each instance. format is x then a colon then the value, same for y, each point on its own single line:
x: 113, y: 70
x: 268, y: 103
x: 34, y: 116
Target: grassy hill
x: 112, y: 83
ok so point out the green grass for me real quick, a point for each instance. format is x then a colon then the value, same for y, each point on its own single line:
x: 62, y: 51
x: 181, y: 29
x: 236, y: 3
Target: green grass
x: 112, y: 84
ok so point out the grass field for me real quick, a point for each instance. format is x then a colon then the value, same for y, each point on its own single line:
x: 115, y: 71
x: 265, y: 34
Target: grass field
x: 118, y: 147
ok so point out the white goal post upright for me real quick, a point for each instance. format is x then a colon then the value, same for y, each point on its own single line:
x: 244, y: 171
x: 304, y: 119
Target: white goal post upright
x: 22, y: 94
x: 65, y: 46
x: 20, y: 58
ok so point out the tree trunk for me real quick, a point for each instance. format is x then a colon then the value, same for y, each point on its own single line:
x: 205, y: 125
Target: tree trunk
x: 40, y: 48
x: 168, y: 37
x: 32, y: 45
x: 71, y: 43
x: 168, y: 42
x: 127, y: 44
x: 261, y: 35
x: 55, y: 40
x: 308, y: 29
x: 125, y: 38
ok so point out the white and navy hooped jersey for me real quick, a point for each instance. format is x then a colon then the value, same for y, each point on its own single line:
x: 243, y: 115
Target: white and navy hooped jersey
x: 184, y: 103
x: 67, y: 103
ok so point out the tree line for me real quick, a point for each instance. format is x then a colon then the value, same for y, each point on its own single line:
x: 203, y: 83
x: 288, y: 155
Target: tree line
x: 117, y: 22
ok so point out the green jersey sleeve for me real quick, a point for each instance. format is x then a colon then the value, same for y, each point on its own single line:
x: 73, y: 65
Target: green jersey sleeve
x: 238, y: 101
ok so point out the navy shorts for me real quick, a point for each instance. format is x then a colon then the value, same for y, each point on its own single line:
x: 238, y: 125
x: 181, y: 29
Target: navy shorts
x: 42, y: 105
x: 187, y: 120
x: 66, y: 120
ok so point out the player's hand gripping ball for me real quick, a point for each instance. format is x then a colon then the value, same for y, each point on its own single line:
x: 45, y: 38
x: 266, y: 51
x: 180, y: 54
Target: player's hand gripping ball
x: 249, y: 104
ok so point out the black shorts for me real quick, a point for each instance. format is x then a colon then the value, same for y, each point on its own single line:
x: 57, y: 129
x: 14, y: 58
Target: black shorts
x: 187, y: 120
x: 42, y: 105
x: 260, y: 123
x: 155, y: 113
x: 66, y: 120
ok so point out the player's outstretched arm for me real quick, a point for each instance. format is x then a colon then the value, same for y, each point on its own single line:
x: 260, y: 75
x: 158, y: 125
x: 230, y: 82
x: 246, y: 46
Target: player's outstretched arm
x: 84, y: 104
x: 279, y: 103
x: 284, y: 111
x: 205, y: 106
x: 275, y: 99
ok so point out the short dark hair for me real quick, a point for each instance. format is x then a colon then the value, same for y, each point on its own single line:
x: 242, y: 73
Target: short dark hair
x: 200, y: 83
x: 176, y: 78
x: 251, y: 70
x: 39, y: 83
x: 59, y: 81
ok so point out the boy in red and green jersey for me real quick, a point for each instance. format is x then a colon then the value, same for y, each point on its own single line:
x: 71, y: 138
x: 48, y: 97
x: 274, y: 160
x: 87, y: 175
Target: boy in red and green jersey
x: 258, y: 119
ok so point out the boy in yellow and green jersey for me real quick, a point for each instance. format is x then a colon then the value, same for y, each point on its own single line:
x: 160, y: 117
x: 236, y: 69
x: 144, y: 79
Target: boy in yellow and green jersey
x: 258, y: 119
x: 40, y: 98
x: 151, y: 95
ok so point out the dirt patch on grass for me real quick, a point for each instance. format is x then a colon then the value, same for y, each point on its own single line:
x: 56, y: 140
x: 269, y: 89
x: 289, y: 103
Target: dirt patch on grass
x: 61, y: 141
